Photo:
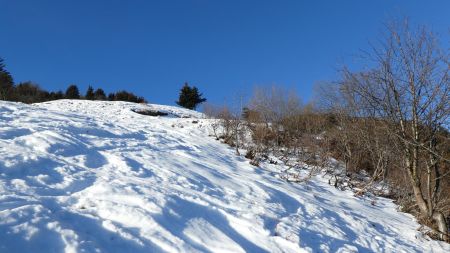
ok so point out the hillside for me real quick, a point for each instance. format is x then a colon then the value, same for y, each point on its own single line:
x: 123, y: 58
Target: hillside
x: 94, y: 176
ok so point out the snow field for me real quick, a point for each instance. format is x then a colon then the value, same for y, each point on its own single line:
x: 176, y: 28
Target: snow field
x: 93, y: 176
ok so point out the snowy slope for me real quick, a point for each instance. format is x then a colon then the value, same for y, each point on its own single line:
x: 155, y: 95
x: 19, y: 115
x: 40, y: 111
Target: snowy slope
x: 90, y: 176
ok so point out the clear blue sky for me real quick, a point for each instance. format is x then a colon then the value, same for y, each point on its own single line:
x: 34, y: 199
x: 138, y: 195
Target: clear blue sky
x: 223, y: 47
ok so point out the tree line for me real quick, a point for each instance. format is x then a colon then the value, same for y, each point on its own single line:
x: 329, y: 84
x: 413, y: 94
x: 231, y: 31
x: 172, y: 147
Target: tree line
x: 389, y: 123
x: 30, y: 92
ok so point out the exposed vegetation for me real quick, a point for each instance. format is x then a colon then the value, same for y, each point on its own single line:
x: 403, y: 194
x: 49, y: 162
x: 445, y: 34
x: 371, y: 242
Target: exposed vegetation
x: 151, y: 112
x: 389, y: 125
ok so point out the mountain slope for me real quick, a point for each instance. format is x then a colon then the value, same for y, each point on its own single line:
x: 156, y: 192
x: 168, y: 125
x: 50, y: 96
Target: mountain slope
x: 91, y: 176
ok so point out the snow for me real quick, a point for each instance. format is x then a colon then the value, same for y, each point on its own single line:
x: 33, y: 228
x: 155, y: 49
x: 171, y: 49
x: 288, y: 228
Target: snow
x: 93, y: 176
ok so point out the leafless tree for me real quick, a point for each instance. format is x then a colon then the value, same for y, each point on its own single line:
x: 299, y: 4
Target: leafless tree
x: 273, y: 105
x: 408, y: 90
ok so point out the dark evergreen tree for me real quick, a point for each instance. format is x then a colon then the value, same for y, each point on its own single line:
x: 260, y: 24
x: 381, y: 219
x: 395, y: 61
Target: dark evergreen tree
x: 190, y: 97
x: 72, y: 92
x: 121, y: 96
x: 99, y: 94
x: 6, y: 83
x: 56, y: 95
x: 90, y: 93
x: 111, y: 96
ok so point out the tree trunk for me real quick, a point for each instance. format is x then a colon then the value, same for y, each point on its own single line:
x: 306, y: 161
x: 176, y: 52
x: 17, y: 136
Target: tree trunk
x: 426, y: 210
x: 421, y: 203
x: 439, y: 218
x: 415, y: 182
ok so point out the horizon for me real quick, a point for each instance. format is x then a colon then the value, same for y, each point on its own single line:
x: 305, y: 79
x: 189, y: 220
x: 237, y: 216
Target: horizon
x: 224, y: 49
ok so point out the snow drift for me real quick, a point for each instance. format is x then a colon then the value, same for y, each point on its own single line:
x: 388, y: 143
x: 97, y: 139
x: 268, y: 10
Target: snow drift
x: 94, y: 176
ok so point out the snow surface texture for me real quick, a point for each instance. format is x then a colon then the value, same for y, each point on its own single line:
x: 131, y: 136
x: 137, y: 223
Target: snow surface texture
x: 91, y: 176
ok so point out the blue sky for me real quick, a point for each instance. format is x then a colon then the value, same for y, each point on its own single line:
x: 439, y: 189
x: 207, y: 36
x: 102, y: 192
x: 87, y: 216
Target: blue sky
x: 223, y: 47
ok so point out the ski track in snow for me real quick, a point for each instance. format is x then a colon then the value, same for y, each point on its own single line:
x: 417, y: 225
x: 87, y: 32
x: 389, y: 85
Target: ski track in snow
x: 91, y: 176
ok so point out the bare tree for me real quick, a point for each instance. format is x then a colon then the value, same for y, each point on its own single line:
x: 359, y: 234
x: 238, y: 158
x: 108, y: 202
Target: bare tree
x: 409, y: 91
x: 273, y: 106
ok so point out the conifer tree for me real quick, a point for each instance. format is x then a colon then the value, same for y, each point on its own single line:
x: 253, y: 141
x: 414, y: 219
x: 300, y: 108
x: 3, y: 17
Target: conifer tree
x: 99, y: 94
x: 72, y: 92
x: 56, y: 95
x: 6, y: 83
x: 90, y: 93
x: 190, y: 97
